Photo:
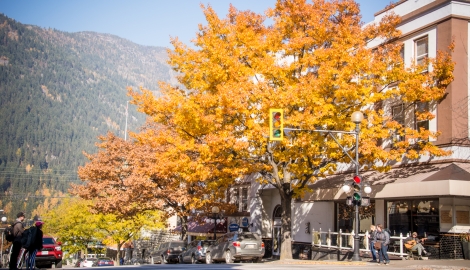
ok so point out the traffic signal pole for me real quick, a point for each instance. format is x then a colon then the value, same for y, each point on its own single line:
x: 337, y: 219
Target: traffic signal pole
x: 356, y: 256
x: 356, y: 118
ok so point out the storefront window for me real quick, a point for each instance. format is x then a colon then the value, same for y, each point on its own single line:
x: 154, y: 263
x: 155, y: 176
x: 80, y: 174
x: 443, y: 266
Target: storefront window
x: 345, y: 217
x: 406, y: 216
x: 455, y: 215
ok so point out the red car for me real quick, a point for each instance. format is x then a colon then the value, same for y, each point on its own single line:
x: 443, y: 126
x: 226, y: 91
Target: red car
x: 50, y: 254
x: 103, y: 262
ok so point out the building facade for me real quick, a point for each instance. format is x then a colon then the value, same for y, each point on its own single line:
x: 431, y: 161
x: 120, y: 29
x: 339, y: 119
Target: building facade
x: 432, y: 196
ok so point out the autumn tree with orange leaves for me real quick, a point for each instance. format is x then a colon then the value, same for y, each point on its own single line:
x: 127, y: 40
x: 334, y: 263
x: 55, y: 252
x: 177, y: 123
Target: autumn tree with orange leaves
x: 315, y: 62
x: 148, y: 172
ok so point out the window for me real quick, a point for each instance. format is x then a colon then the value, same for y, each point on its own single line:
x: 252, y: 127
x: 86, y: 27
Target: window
x: 421, y: 216
x: 239, y: 197
x: 398, y: 114
x: 421, y: 50
x: 420, y: 108
x: 244, y: 206
x: 235, y: 197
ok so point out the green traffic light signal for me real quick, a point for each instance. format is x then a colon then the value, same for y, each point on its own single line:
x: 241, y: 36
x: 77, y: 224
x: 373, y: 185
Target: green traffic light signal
x: 357, y: 196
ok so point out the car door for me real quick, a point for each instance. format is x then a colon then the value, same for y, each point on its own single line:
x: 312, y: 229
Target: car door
x: 185, y: 252
x: 215, y: 249
x: 189, y: 249
x: 222, y: 246
x: 163, y: 249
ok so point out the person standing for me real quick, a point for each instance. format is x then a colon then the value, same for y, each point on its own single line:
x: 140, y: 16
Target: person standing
x: 36, y: 243
x: 371, y: 243
x: 18, y: 229
x: 383, y: 237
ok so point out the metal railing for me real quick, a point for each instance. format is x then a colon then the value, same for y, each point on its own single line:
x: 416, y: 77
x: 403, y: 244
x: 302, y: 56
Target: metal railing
x: 345, y: 241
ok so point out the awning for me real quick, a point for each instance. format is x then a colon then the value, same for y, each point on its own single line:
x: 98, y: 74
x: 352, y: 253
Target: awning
x: 196, y: 228
x: 429, y: 180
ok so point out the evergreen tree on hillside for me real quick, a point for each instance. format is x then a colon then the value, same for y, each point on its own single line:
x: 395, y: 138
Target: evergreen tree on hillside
x: 59, y: 92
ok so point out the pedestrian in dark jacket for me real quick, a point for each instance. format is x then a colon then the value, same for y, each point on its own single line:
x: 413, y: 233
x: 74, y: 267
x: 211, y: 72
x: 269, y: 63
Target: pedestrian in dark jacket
x: 18, y: 229
x: 36, y: 243
x: 373, y: 231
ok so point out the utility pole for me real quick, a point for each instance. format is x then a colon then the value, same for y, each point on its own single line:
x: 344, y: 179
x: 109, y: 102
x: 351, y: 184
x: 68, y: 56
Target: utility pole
x: 125, y: 129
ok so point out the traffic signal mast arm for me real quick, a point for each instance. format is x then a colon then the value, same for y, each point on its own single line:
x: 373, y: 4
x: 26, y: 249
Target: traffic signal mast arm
x: 330, y: 132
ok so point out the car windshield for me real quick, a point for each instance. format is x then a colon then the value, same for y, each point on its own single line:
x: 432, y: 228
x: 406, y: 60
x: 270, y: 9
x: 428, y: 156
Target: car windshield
x: 247, y: 236
x: 207, y: 243
x: 104, y: 259
x: 176, y: 244
x: 48, y: 241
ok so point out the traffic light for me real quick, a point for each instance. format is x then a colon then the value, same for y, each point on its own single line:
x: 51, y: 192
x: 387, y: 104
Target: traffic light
x: 276, y: 124
x: 357, y: 188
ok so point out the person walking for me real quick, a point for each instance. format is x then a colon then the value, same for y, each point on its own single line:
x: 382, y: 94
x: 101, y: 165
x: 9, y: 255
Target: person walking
x: 383, y: 237
x: 371, y: 243
x: 18, y: 229
x: 35, y: 244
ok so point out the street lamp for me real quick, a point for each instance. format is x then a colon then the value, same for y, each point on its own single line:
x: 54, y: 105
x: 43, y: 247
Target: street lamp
x: 357, y: 118
x: 215, y: 211
x: 4, y: 220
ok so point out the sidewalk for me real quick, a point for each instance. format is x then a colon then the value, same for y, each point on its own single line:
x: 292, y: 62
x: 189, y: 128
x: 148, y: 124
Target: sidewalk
x: 458, y: 264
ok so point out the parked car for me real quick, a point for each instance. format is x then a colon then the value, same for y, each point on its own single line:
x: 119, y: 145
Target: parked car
x: 88, y: 262
x: 168, y: 252
x: 78, y: 262
x: 236, y: 246
x: 50, y: 254
x: 195, y: 251
x: 103, y: 261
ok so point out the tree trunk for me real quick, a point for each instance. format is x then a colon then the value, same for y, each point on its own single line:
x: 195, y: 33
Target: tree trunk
x: 184, y: 228
x: 286, y: 229
x: 118, y: 256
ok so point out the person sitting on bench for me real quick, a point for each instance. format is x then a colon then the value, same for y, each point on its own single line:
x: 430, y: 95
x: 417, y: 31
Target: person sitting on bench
x: 414, y: 243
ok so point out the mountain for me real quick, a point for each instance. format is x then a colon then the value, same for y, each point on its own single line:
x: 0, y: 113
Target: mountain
x: 58, y: 92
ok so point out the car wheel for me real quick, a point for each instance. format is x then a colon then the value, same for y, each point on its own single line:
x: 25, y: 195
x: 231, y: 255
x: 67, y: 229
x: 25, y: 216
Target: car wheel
x: 208, y: 258
x: 228, y: 257
x: 58, y: 264
x: 180, y: 259
x: 257, y: 260
x: 193, y: 260
x: 164, y: 260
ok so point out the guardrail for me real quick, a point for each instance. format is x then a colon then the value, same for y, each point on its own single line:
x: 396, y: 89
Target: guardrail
x: 345, y: 241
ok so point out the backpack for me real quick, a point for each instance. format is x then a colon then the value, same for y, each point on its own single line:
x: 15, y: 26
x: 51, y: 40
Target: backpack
x: 9, y: 232
x: 27, y: 238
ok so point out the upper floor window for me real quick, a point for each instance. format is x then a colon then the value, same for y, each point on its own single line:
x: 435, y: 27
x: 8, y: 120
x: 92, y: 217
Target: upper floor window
x: 422, y: 50
x: 421, y: 107
x: 398, y: 114
x: 244, y: 206
x: 239, y: 198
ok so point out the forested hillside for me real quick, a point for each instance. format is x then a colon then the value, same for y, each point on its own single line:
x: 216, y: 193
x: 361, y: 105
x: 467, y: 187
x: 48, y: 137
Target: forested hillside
x: 58, y: 92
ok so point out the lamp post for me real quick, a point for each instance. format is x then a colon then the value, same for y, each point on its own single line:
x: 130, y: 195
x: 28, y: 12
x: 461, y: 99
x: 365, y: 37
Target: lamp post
x: 357, y: 118
x: 215, y: 212
x: 4, y: 220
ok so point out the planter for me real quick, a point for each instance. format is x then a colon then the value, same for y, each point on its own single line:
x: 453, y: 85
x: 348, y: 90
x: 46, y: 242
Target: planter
x: 466, y: 250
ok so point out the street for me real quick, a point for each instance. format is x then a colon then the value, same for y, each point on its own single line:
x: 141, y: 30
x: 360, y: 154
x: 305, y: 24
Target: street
x: 320, y: 265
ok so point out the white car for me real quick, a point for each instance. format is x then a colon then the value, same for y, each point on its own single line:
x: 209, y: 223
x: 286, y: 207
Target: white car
x: 87, y: 262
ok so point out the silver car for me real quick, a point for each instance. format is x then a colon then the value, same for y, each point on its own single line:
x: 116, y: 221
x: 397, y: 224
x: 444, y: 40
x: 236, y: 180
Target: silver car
x: 195, y: 251
x: 236, y: 246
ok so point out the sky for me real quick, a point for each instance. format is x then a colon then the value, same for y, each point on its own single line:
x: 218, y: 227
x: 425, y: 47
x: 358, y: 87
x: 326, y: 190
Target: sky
x: 145, y: 22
